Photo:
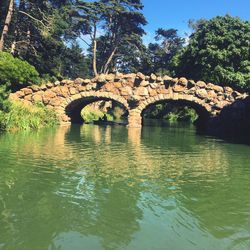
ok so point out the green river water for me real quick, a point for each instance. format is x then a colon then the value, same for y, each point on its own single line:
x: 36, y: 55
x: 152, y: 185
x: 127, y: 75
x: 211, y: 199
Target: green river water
x: 94, y: 187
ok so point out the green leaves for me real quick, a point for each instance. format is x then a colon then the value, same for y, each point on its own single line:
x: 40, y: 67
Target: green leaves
x: 16, y: 72
x: 27, y: 117
x: 218, y: 52
x: 161, y: 53
x: 111, y: 25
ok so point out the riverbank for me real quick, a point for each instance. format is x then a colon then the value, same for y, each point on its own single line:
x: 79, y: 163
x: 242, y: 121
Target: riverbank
x: 26, y: 117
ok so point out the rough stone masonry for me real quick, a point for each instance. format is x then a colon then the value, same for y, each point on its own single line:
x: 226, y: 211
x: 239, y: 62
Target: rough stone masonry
x: 134, y: 91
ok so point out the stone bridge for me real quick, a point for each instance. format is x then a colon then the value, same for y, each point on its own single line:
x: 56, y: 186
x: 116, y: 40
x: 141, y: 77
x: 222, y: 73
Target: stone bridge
x: 135, y: 92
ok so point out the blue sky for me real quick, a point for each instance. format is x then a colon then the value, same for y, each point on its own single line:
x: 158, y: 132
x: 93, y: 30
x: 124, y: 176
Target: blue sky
x: 176, y: 13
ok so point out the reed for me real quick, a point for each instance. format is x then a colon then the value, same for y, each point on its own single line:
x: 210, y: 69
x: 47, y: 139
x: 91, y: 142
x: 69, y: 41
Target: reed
x: 27, y: 117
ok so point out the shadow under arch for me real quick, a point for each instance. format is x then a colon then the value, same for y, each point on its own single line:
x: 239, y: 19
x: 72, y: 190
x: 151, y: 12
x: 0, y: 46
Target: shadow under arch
x: 203, y: 111
x: 73, y: 108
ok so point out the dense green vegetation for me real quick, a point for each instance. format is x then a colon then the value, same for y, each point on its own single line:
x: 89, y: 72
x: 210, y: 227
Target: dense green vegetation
x: 90, y: 115
x: 51, y: 39
x: 171, y: 112
x: 93, y: 112
x: 26, y: 117
x: 219, y: 52
x: 16, y: 73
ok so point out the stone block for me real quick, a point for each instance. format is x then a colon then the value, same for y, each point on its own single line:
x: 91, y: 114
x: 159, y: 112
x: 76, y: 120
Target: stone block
x: 64, y: 91
x: 178, y: 88
x: 140, y: 76
x: 27, y: 91
x: 57, y: 101
x: 183, y: 81
x: 28, y: 97
x: 228, y: 90
x: 144, y: 83
x: 153, y: 77
x: 154, y: 85
x: 214, y: 87
x: 35, y: 88
x: 152, y: 92
x: 126, y: 91
x: 201, y: 93
x: 49, y: 85
x: 117, y: 84
x: 201, y: 84
x: 79, y: 81
x: 141, y: 91
x: 38, y: 96
x: 110, y: 77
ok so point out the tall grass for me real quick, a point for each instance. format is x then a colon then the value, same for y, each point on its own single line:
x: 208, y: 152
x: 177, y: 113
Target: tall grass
x: 27, y: 117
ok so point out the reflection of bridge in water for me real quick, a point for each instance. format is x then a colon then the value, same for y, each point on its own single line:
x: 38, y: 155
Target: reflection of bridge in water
x: 135, y: 92
x: 64, y: 144
x: 105, y: 174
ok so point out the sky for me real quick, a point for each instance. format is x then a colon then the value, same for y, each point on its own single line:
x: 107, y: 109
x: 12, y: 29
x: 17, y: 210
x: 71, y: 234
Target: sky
x: 176, y: 13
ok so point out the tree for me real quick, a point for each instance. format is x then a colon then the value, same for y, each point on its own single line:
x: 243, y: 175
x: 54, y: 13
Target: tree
x: 16, y: 73
x: 10, y: 7
x: 218, y: 52
x: 160, y: 53
x: 40, y: 33
x: 75, y: 63
x: 118, y: 22
x: 128, y: 57
x: 157, y: 56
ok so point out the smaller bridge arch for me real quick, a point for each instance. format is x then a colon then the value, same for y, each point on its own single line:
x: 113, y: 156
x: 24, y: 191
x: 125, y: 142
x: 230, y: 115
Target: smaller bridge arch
x: 203, y: 110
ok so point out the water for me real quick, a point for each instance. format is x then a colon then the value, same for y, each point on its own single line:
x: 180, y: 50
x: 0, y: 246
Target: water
x: 96, y: 187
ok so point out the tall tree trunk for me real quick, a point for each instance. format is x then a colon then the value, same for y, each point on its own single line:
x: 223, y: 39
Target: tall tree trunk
x: 94, y: 57
x: 106, y: 66
x: 94, y: 52
x: 6, y: 24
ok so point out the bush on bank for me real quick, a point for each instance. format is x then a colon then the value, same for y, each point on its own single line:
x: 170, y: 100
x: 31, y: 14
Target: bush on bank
x: 26, y: 117
x: 16, y: 72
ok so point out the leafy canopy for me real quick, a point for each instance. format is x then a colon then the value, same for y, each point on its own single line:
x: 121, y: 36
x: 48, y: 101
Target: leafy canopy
x: 111, y: 25
x: 16, y: 72
x: 218, y: 51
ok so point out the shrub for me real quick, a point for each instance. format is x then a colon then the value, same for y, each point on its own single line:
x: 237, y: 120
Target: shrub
x: 17, y: 72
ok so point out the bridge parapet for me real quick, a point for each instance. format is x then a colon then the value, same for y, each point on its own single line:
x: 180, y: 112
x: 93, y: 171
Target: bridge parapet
x: 134, y: 91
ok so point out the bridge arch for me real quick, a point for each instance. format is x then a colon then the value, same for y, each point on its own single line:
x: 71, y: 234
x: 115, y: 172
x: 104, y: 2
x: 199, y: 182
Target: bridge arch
x: 73, y: 105
x: 135, y: 92
x: 203, y: 110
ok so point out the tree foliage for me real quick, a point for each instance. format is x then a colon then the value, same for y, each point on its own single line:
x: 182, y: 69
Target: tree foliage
x: 112, y: 23
x: 159, y: 54
x: 4, y: 103
x: 16, y: 72
x: 218, y: 51
x: 40, y: 33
